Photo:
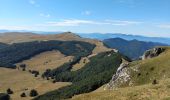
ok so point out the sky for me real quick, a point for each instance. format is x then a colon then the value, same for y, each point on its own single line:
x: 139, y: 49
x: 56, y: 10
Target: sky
x: 138, y: 17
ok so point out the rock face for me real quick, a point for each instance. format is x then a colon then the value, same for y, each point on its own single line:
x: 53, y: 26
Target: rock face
x: 122, y: 76
x: 152, y: 53
x: 124, y: 72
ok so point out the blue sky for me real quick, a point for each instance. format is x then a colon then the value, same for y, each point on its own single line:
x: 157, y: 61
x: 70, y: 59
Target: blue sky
x: 139, y: 17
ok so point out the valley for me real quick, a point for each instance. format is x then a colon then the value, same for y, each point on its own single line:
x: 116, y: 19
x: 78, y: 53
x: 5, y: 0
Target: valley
x: 84, y: 49
x: 40, y: 62
x: 66, y: 66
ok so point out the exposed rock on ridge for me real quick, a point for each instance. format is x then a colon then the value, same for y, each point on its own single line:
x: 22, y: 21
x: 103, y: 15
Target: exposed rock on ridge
x: 124, y: 72
x: 122, y: 76
x: 152, y: 53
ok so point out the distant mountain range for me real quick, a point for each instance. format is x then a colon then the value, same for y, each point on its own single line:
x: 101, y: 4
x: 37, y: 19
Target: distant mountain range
x: 101, y: 36
x: 132, y: 48
x: 126, y: 37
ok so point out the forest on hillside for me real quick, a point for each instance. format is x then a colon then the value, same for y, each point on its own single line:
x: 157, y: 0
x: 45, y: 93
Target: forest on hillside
x: 17, y: 52
x: 93, y: 75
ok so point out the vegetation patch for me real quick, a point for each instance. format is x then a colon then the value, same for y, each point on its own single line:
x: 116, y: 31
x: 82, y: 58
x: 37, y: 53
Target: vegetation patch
x: 93, y: 75
x: 18, y: 52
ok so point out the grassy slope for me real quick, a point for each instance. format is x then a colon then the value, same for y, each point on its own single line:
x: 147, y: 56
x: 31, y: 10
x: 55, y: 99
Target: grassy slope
x: 15, y: 37
x: 150, y: 69
x: 46, y: 60
x: 18, y: 81
x: 22, y: 51
x: 37, y: 63
x: 160, y: 91
x: 94, y: 74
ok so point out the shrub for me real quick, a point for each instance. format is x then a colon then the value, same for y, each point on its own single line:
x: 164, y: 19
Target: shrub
x: 36, y: 73
x: 152, y: 68
x: 54, y: 81
x: 23, y: 95
x: 155, y: 82
x: 23, y: 66
x: 30, y: 71
x: 139, y: 74
x: 9, y: 91
x: 33, y: 93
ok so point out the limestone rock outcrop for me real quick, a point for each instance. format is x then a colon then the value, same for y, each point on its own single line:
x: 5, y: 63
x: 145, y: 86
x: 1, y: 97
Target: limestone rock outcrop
x: 152, y: 53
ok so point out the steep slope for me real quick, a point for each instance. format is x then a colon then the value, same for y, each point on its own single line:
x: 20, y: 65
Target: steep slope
x: 143, y: 92
x: 133, y: 49
x: 93, y: 75
x: 147, y: 79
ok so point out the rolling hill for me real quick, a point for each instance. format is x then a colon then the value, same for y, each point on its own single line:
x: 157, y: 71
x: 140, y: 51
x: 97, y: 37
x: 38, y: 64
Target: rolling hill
x: 132, y: 48
x: 93, y: 75
x: 18, y: 52
x: 148, y: 80
x: 70, y: 65
x: 40, y: 53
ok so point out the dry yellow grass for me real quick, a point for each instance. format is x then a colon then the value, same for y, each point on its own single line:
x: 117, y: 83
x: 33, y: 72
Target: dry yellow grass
x: 15, y: 37
x: 159, y: 91
x: 98, y: 49
x: 23, y: 81
x: 81, y: 63
x: 20, y: 81
x: 46, y: 60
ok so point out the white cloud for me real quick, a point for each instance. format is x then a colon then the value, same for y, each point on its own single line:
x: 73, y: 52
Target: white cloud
x: 123, y: 22
x: 70, y: 22
x: 86, y: 13
x: 166, y: 26
x: 74, y: 22
x: 77, y: 22
x: 45, y: 15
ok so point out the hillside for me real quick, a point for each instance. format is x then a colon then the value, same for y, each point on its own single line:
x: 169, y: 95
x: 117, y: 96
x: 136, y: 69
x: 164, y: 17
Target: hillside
x: 133, y: 48
x: 16, y: 37
x: 41, y: 53
x: 147, y: 79
x: 93, y: 75
x: 22, y: 81
x: 46, y: 60
x: 18, y: 52
x: 143, y: 92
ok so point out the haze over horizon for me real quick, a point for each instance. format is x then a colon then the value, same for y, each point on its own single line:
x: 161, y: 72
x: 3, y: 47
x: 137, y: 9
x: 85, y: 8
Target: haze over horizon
x: 146, y: 17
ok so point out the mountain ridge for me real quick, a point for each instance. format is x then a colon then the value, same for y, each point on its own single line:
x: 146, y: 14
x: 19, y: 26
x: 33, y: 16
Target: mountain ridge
x: 131, y: 48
